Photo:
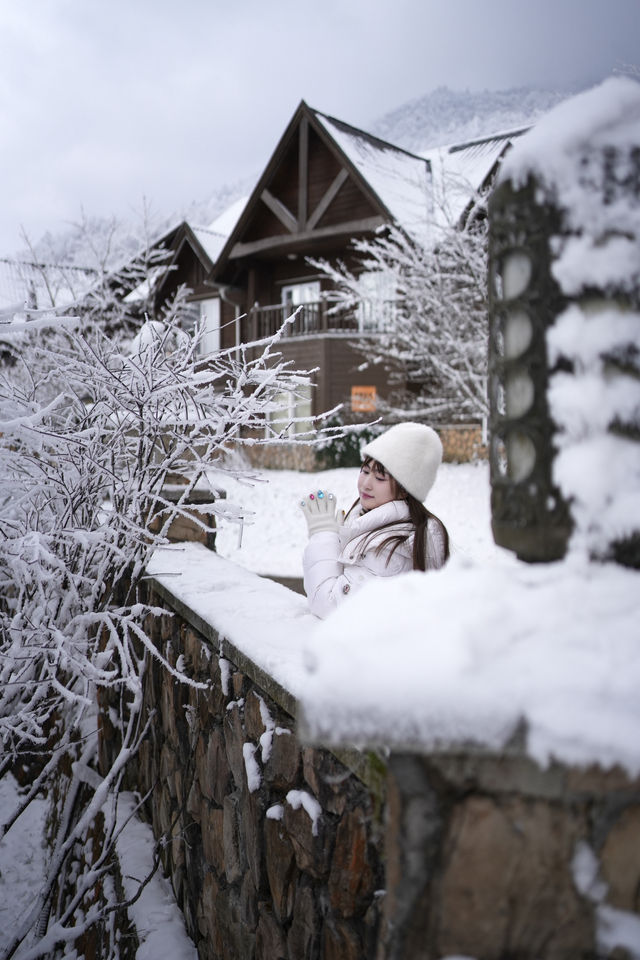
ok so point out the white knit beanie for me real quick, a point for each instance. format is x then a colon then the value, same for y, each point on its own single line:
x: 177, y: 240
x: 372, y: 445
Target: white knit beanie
x: 411, y: 453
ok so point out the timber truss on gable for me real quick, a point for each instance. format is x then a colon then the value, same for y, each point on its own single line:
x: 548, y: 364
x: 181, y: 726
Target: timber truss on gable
x: 311, y: 190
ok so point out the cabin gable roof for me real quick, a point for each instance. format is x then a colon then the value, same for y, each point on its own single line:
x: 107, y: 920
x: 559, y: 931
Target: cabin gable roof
x: 189, y: 262
x: 324, y: 180
x: 182, y: 259
x: 463, y: 171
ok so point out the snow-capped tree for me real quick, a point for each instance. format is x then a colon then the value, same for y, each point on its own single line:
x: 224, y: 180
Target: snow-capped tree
x: 91, y: 435
x: 104, y: 269
x: 423, y: 310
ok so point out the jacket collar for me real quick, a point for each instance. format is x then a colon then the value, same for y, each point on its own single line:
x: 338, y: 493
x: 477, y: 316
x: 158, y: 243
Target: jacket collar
x: 395, y: 511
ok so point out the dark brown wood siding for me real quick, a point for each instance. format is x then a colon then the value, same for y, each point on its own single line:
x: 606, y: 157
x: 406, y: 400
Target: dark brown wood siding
x: 284, y: 183
x: 323, y: 168
x: 263, y: 224
x: 338, y: 362
x: 348, y: 205
x: 187, y: 271
x: 227, y: 323
x: 340, y: 373
x: 293, y: 271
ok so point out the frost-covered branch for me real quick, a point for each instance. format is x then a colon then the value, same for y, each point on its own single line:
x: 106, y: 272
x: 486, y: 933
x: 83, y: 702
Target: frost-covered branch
x: 92, y: 434
x: 424, y: 310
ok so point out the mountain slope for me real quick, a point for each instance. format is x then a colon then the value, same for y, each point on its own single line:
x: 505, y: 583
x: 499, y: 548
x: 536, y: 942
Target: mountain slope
x: 447, y: 116
x: 441, y: 117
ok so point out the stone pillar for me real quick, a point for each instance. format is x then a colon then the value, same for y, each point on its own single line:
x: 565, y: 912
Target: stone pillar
x: 529, y: 514
x: 564, y: 247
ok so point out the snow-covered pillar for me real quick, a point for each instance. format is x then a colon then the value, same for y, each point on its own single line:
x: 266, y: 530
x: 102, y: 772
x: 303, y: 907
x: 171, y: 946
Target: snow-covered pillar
x: 564, y: 370
x: 529, y: 514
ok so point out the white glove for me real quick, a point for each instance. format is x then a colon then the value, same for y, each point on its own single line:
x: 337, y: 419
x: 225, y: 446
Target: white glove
x: 319, y: 511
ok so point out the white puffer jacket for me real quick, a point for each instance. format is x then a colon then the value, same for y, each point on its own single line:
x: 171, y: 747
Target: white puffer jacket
x: 334, y: 564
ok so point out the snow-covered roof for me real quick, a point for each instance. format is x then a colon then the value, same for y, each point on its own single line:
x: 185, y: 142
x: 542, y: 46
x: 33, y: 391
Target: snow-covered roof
x: 214, y: 236
x: 460, y: 170
x: 226, y: 221
x: 212, y: 242
x: 400, y: 179
x: 23, y: 284
x: 142, y: 291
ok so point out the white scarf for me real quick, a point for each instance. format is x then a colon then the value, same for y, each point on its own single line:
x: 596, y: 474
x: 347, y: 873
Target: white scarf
x: 357, y: 532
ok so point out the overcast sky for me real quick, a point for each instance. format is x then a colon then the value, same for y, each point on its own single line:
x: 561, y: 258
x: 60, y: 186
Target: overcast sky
x: 102, y: 104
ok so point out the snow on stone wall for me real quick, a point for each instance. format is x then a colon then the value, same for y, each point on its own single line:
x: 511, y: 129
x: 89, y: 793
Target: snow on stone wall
x: 277, y: 849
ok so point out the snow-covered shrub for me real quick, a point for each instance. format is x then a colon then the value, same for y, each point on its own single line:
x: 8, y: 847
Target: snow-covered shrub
x: 342, y: 447
x: 90, y: 435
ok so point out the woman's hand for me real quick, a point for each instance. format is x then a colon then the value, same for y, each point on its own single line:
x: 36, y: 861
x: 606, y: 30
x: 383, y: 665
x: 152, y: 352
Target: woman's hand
x: 319, y: 511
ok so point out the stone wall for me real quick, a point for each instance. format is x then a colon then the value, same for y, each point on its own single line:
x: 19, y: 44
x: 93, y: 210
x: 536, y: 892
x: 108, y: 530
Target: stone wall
x: 282, y: 849
x: 274, y: 847
x: 461, y: 443
x: 494, y: 857
x: 284, y: 456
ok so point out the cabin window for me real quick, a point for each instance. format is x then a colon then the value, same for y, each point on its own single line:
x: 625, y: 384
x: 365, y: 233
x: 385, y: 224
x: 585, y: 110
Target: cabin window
x: 210, y: 321
x: 189, y: 317
x: 293, y: 294
x: 377, y: 309
x: 291, y: 412
x: 303, y: 297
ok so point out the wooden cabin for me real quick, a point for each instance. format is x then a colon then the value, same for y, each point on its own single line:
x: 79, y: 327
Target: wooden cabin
x: 192, y: 252
x: 325, y: 184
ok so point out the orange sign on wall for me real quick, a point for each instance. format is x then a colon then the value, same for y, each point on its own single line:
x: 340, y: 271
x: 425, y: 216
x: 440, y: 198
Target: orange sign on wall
x: 363, y: 399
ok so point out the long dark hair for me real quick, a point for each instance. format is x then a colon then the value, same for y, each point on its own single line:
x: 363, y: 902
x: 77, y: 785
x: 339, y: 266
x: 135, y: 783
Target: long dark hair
x: 419, y: 518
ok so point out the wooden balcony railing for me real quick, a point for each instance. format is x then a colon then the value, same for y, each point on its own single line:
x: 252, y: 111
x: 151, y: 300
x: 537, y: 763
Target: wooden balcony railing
x: 318, y: 317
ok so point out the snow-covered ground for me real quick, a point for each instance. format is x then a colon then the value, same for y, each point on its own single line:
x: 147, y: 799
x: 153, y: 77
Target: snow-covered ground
x: 579, y: 695
x: 158, y: 920
x: 272, y: 539
x: 22, y: 858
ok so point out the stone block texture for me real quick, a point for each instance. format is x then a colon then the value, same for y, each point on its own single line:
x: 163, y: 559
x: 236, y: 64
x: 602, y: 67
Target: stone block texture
x: 483, y: 859
x: 269, y: 859
x: 277, y: 850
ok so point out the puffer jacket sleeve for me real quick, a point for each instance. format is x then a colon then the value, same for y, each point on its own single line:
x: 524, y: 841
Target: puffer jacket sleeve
x: 324, y: 581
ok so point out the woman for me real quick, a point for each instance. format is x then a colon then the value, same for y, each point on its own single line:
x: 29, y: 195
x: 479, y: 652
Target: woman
x: 387, y: 531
